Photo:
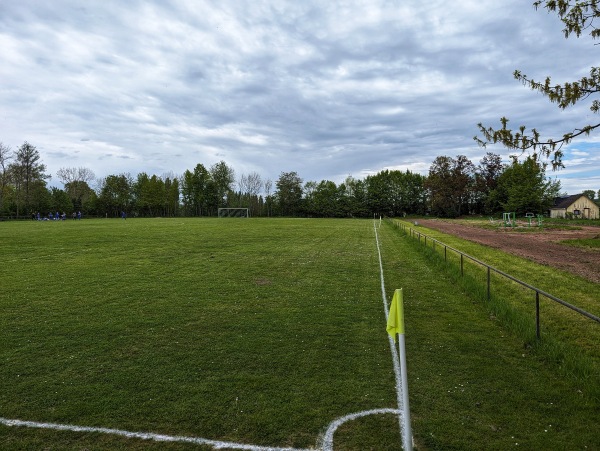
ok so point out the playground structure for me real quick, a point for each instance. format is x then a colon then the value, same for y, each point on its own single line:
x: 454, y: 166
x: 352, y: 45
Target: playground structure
x: 539, y: 219
x: 509, y: 220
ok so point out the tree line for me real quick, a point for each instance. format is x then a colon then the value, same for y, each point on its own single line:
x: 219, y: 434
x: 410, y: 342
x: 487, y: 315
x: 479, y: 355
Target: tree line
x: 453, y: 187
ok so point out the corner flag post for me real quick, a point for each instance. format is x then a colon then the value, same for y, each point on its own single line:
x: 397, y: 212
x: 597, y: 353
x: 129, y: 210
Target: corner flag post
x: 395, y: 325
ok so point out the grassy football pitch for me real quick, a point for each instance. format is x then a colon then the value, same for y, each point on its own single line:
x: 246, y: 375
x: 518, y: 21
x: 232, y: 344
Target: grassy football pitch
x: 255, y: 332
x: 259, y: 332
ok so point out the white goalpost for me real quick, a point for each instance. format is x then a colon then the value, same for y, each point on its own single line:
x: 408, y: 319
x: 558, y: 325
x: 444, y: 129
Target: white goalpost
x: 234, y: 212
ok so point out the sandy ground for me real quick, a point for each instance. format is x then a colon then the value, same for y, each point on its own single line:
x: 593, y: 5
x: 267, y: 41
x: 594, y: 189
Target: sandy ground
x: 540, y: 246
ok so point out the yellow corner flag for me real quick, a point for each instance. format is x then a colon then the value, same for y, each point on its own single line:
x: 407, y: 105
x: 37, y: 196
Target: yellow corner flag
x: 395, y: 323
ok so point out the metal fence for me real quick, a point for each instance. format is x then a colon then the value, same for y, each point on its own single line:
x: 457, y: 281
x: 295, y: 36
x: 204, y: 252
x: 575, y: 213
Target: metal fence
x: 425, y: 239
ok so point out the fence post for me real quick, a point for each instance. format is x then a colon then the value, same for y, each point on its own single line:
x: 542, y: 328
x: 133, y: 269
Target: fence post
x: 445, y: 249
x: 488, y: 284
x: 537, y: 314
x: 461, y: 265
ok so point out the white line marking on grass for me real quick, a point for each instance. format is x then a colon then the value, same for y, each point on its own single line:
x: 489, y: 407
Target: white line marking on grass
x: 216, y: 444
x: 328, y: 438
x: 395, y: 357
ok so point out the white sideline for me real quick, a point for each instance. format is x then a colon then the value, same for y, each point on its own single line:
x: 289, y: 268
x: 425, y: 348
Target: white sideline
x: 216, y: 444
x: 395, y: 357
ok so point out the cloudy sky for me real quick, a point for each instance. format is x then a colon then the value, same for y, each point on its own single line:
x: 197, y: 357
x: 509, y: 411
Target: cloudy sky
x: 324, y: 88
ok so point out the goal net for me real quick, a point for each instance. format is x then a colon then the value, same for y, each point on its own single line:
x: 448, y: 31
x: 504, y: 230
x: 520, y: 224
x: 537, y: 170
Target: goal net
x: 234, y: 212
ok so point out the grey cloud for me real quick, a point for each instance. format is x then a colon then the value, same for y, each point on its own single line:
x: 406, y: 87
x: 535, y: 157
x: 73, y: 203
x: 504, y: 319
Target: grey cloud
x: 323, y: 88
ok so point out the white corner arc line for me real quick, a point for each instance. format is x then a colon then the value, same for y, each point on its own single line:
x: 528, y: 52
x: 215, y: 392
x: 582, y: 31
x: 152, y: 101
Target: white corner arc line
x: 216, y: 444
x: 328, y: 438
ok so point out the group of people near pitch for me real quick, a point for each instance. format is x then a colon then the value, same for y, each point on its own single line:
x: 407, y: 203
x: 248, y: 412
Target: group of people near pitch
x: 55, y: 216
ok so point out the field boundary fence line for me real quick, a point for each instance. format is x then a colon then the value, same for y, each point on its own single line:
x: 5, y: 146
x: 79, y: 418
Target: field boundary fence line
x: 425, y: 238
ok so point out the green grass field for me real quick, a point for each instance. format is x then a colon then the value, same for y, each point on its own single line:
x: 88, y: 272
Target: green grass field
x: 258, y: 332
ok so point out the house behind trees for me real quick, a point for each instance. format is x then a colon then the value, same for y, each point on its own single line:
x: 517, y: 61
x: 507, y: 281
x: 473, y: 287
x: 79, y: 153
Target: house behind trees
x: 576, y: 206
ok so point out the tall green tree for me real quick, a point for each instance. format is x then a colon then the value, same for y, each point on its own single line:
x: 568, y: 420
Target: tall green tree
x: 194, y: 191
x: 157, y: 195
x: 377, y: 194
x: 309, y: 198
x: 187, y: 193
x: 6, y: 156
x: 61, y: 201
x: 523, y: 187
x: 326, y: 200
x: 41, y: 198
x: 141, y: 190
x: 577, y: 17
x: 395, y: 193
x: 116, y: 195
x: 268, y: 205
x: 486, y: 180
x: 450, y: 182
x: 223, y: 178
x: 414, y: 193
x: 288, y: 196
x: 171, y: 205
x: 27, y: 173
x: 353, y: 197
x: 151, y: 195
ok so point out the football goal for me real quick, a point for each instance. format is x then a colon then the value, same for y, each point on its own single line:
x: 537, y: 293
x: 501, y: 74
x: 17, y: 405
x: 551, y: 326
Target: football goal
x: 234, y: 212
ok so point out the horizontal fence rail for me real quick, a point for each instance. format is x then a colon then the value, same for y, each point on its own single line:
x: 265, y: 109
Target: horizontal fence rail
x: 423, y: 237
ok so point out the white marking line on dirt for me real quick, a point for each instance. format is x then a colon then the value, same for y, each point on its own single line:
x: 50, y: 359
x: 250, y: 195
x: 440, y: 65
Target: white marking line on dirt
x: 395, y: 356
x: 328, y: 438
x: 216, y: 444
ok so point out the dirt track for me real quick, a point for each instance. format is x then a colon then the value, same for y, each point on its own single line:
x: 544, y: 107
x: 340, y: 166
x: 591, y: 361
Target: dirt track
x: 540, y: 246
